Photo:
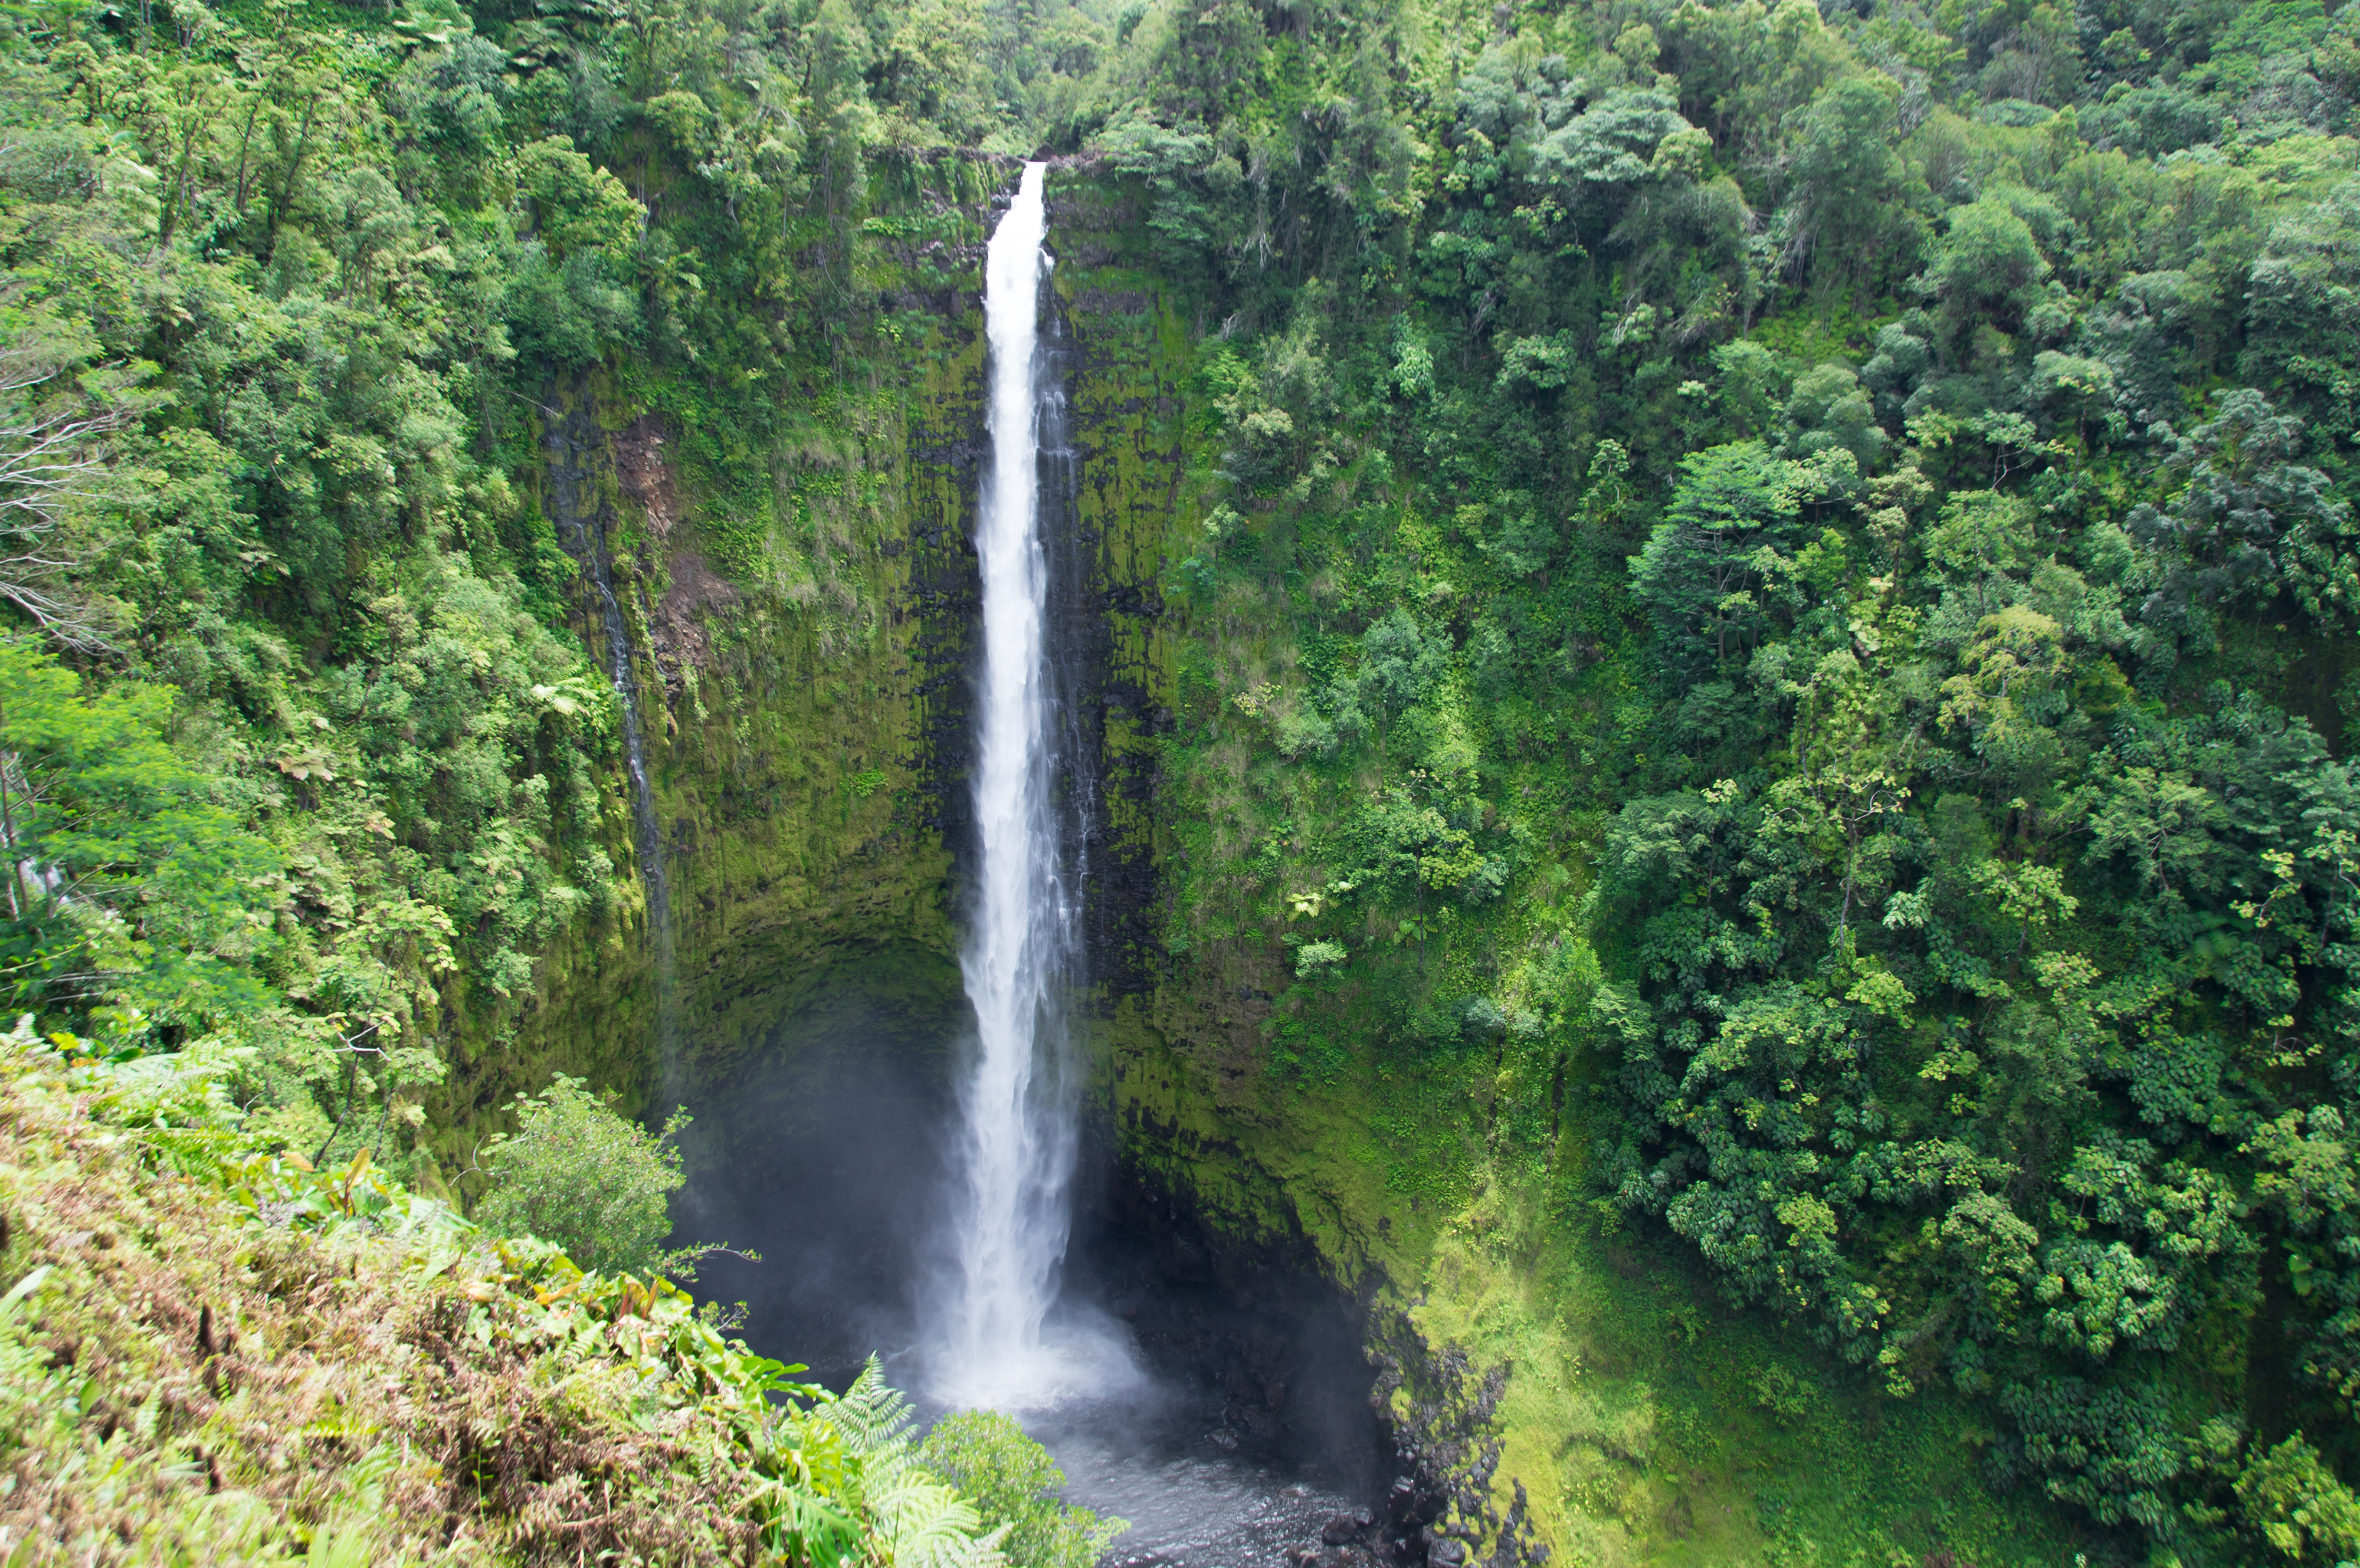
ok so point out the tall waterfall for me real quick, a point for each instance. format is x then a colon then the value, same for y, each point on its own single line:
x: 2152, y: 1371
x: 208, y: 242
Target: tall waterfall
x: 1016, y: 1140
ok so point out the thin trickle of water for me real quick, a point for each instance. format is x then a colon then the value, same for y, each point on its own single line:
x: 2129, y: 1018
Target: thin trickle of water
x: 585, y: 538
x: 1010, y: 1217
x: 646, y: 830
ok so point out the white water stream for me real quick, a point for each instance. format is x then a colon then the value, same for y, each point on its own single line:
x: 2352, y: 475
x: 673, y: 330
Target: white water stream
x: 1012, y: 1214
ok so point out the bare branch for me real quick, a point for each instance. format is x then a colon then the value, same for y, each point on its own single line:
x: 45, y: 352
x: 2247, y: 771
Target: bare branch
x: 50, y: 454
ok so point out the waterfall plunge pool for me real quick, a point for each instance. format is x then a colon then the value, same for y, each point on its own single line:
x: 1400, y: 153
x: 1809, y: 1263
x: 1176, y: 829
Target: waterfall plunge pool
x: 821, y: 1148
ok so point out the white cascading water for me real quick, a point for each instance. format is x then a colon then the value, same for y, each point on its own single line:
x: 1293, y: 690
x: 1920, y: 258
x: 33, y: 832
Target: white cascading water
x: 1010, y: 1217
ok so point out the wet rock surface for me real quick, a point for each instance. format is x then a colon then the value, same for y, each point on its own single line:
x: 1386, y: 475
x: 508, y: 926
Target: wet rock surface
x: 1283, y: 1435
x: 1440, y: 1510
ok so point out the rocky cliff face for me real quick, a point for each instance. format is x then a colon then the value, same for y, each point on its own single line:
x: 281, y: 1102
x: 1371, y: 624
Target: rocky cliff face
x: 804, y: 703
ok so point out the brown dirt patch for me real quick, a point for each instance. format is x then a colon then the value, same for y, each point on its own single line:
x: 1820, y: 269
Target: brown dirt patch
x: 644, y: 475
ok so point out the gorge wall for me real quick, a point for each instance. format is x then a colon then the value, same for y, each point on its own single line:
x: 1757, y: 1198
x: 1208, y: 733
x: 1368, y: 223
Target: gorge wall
x: 1550, y: 1375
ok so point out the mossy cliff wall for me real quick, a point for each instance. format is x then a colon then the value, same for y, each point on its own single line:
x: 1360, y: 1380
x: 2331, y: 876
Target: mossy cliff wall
x: 805, y: 706
x: 800, y: 674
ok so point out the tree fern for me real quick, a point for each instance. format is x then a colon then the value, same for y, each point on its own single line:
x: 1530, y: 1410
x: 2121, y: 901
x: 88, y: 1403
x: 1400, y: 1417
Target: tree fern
x: 874, y: 1419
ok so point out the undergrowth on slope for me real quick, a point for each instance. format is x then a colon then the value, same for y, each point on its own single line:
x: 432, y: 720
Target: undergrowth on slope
x: 211, y: 1354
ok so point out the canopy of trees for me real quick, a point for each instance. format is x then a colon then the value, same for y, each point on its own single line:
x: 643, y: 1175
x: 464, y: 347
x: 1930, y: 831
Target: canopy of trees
x: 1833, y: 527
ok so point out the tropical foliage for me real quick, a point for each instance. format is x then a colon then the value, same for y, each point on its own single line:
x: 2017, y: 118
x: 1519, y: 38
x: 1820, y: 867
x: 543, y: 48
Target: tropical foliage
x: 987, y: 1457
x: 1779, y: 580
x: 575, y: 1173
x: 264, y: 1360
x: 1773, y: 583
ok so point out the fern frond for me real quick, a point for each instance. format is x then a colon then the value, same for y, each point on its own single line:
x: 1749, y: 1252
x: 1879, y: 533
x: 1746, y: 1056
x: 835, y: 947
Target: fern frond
x: 927, y: 1525
x: 873, y: 1416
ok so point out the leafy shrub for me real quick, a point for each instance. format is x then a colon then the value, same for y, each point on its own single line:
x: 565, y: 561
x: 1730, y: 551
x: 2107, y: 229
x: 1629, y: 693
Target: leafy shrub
x: 577, y: 1174
x: 2293, y: 1500
x: 986, y: 1455
x: 1316, y: 958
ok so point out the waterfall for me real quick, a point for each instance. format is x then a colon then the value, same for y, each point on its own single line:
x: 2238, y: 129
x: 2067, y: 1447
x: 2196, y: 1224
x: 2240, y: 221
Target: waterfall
x: 1016, y: 1144
x: 645, y: 831
x: 571, y: 441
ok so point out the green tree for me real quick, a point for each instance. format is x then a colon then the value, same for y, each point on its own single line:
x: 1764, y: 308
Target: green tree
x: 577, y: 206
x: 1845, y: 222
x: 124, y: 881
x: 2295, y: 1502
x: 577, y: 1174
x: 1401, y: 665
x: 1701, y: 574
x: 2306, y: 308
x: 984, y: 1455
x: 1987, y: 267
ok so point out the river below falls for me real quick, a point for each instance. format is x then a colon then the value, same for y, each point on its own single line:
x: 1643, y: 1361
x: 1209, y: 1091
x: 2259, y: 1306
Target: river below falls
x: 1193, y: 1498
x: 1196, y: 1493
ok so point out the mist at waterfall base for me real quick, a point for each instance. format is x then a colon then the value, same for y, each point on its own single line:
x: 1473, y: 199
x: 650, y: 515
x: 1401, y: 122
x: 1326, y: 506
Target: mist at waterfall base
x: 910, y: 1181
x: 1249, y: 1427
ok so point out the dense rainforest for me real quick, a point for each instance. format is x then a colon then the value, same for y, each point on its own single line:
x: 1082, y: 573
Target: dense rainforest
x: 1739, y: 732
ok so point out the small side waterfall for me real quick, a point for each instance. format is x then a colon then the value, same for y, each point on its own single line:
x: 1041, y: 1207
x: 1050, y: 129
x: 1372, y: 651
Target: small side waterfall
x: 646, y: 832
x: 572, y: 443
x: 645, y: 829
x: 1010, y: 1213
